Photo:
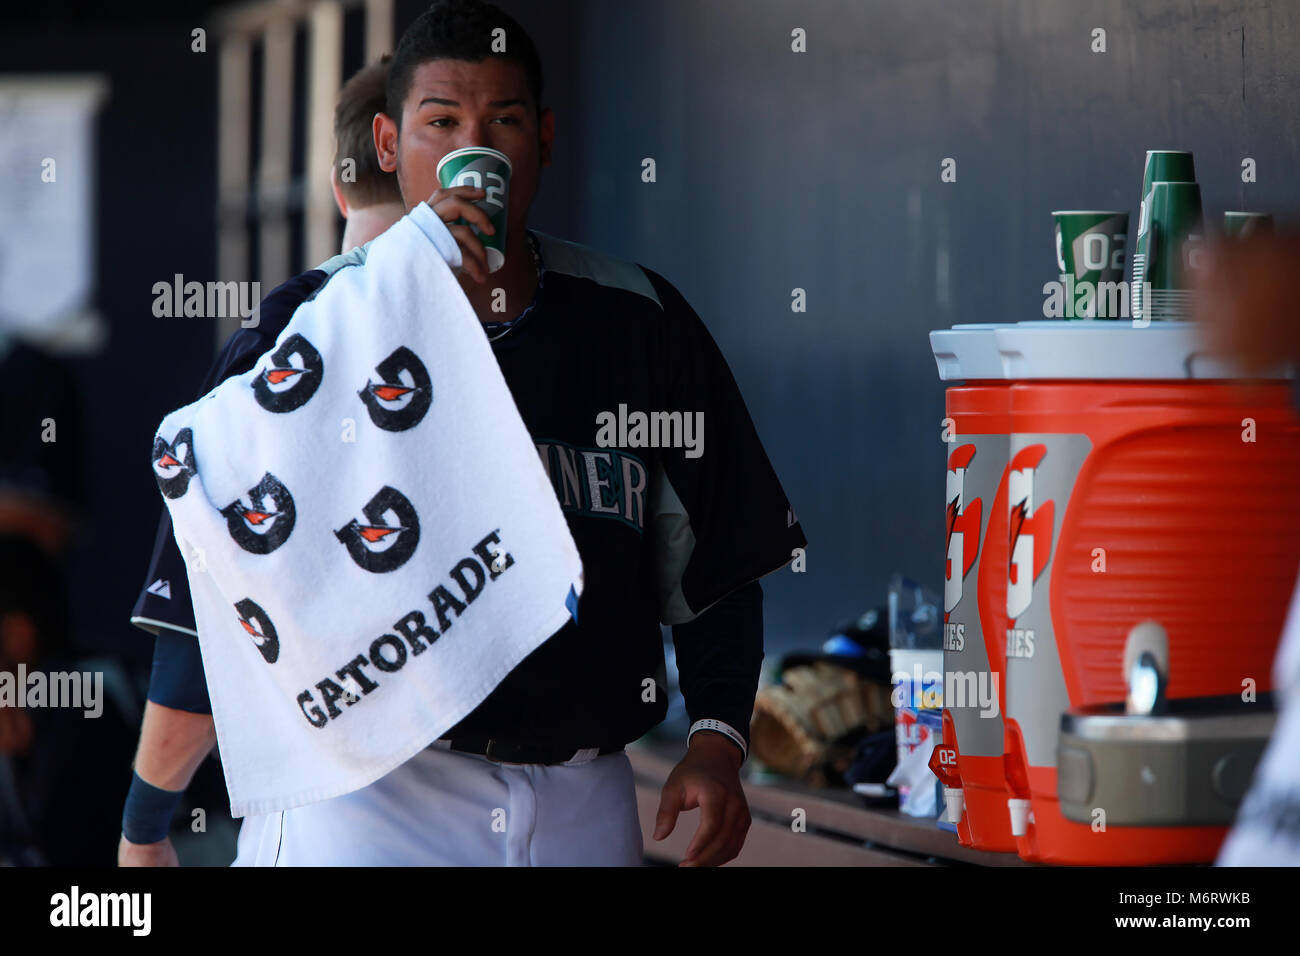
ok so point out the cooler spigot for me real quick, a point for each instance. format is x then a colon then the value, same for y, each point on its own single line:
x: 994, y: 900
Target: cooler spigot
x: 1146, y: 669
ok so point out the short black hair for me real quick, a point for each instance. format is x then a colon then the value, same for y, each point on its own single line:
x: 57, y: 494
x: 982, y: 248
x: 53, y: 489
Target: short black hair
x: 459, y: 30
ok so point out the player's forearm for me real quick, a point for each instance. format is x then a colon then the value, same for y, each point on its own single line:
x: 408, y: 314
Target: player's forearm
x: 172, y: 745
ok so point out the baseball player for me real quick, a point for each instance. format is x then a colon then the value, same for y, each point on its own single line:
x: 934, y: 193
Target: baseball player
x: 537, y: 774
x: 367, y: 196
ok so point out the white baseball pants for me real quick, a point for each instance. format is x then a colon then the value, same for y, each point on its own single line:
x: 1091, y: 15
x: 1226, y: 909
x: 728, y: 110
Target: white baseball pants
x: 446, y: 808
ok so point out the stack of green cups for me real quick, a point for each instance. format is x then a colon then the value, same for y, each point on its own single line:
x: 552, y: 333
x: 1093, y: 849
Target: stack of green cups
x: 1170, y: 230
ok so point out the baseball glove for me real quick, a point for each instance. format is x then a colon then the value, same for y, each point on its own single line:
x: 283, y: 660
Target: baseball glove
x: 807, y: 726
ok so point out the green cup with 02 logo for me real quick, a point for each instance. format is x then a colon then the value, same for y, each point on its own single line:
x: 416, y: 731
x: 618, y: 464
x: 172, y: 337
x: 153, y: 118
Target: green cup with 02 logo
x: 489, y: 170
x: 1090, y: 246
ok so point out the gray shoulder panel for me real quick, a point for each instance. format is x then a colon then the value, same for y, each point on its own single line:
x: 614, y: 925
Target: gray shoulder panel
x: 571, y: 258
x: 674, y: 544
x: 355, y: 256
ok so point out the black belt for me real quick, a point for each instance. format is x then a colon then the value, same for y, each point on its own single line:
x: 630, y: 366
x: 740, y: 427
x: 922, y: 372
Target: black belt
x: 509, y: 751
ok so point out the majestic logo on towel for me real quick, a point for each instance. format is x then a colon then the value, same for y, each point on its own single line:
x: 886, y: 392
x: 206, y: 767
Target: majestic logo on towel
x: 259, y: 627
x: 402, y: 395
x: 174, y: 463
x: 265, y: 523
x: 285, y: 385
x: 380, y: 545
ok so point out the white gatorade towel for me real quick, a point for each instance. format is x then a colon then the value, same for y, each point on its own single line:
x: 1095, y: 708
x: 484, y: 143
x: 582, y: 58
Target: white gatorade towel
x: 371, y: 541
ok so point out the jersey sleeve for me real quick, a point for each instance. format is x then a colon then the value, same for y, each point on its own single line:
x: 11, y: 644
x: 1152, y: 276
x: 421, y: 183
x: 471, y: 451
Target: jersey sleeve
x: 177, y: 679
x: 164, y: 601
x: 720, y: 659
x: 720, y: 516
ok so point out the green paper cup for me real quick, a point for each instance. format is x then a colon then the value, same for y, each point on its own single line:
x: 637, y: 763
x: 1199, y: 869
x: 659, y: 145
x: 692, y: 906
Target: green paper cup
x: 489, y: 170
x: 1171, y: 248
x: 1162, y: 166
x: 1242, y: 225
x: 1167, y: 166
x: 1090, y: 247
x: 1090, y: 244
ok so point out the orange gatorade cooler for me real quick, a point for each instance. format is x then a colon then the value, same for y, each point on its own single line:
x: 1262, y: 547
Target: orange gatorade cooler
x: 969, y: 762
x: 1147, y: 493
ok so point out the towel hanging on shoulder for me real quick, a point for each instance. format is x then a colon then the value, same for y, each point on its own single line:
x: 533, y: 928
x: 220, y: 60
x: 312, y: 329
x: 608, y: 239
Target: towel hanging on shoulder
x: 371, y: 542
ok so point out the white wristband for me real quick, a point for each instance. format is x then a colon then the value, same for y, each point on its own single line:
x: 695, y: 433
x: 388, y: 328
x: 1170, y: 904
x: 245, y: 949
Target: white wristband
x: 721, y: 728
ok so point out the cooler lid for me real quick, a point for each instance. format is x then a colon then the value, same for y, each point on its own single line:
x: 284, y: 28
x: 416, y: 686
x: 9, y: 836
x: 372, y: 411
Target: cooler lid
x: 1111, y: 349
x: 968, y: 352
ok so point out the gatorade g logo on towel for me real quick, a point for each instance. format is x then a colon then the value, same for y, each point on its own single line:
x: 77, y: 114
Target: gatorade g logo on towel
x: 264, y: 524
x: 963, y: 544
x: 174, y: 463
x: 285, y: 384
x: 380, y: 546
x: 1031, y: 530
x: 402, y: 395
x: 254, y: 620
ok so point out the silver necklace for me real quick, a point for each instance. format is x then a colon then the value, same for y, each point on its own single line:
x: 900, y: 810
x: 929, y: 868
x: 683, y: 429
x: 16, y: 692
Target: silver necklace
x: 537, y: 264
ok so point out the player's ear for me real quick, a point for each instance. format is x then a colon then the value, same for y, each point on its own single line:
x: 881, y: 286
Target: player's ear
x: 546, y: 135
x: 385, y: 133
x: 339, y: 199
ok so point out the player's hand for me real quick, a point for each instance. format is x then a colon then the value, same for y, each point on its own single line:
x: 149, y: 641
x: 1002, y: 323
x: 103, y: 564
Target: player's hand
x: 457, y: 202
x: 1247, y: 309
x: 161, y: 853
x: 708, y: 777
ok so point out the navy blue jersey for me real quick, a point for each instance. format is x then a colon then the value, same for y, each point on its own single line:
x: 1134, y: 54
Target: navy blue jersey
x: 607, y: 367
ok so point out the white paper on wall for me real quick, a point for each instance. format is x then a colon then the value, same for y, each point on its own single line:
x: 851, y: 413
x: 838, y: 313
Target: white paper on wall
x: 47, y: 208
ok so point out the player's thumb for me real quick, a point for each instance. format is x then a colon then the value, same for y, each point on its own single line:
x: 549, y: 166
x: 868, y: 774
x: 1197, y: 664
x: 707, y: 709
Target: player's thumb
x: 670, y: 805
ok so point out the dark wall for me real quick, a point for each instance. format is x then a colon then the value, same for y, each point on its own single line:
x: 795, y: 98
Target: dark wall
x: 156, y: 173
x: 821, y: 171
